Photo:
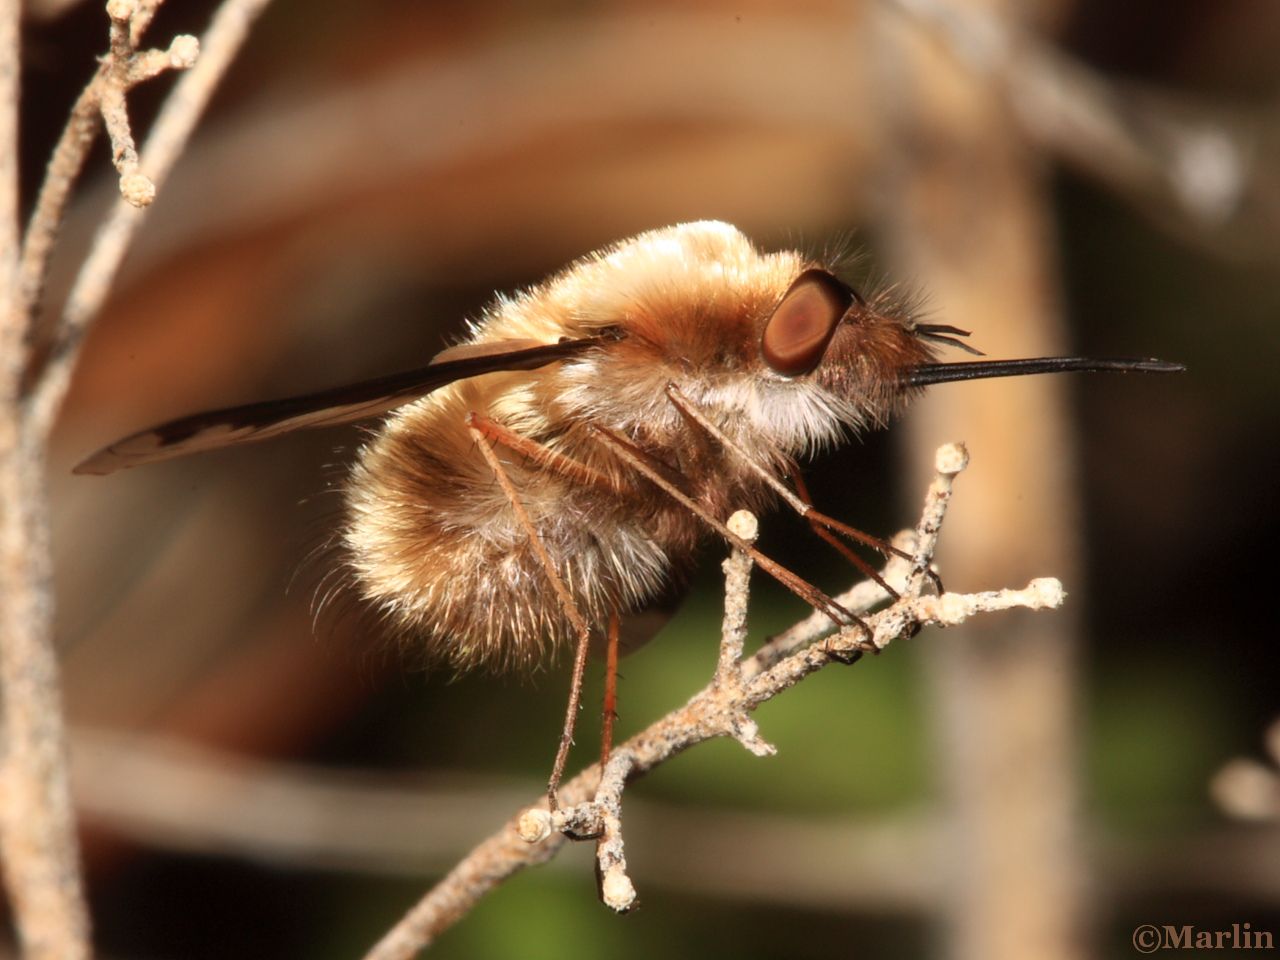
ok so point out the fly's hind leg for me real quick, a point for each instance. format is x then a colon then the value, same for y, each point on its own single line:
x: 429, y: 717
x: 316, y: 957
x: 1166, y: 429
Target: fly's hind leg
x: 610, y: 711
x: 487, y: 432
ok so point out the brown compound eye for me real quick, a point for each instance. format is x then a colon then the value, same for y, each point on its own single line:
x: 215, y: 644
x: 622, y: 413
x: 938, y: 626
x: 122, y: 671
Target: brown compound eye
x: 796, y: 336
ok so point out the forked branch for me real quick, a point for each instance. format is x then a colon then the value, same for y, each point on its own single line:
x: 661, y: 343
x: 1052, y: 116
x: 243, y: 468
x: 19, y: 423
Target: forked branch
x: 169, y: 134
x: 38, y: 849
x: 591, y: 801
x: 100, y: 105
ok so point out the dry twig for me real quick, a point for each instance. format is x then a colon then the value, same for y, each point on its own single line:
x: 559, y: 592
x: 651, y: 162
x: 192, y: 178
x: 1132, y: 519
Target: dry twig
x: 174, y: 794
x: 590, y: 802
x: 37, y: 840
x: 37, y: 836
x: 121, y: 69
x: 172, y: 129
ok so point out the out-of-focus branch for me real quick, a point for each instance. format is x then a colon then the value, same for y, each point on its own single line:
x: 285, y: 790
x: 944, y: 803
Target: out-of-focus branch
x: 966, y: 214
x: 101, y: 104
x: 9, y: 69
x: 721, y: 709
x: 176, y: 795
x: 178, y: 117
x: 1250, y: 790
x: 1181, y: 161
x: 37, y: 836
x: 37, y: 829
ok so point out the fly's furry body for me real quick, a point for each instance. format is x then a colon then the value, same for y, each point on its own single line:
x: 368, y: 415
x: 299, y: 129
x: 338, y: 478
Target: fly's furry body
x: 433, y: 539
x: 569, y: 455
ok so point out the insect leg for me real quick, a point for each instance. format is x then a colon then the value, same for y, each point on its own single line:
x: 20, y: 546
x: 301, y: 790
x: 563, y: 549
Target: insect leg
x: 800, y: 587
x: 845, y: 658
x: 562, y: 594
x: 798, y: 500
x: 818, y: 523
x: 610, y: 713
x: 542, y: 455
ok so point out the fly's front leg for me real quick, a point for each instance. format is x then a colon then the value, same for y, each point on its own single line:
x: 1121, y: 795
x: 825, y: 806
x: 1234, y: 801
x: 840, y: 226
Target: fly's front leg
x: 798, y: 500
x: 655, y: 472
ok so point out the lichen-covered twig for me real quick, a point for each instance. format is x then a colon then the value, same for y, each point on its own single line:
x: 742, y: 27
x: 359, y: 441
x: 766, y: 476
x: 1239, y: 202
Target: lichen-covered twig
x: 729, y: 679
x: 124, y: 68
x: 600, y: 817
x: 591, y: 804
x: 37, y: 837
x: 101, y: 104
x: 37, y: 831
x: 178, y: 117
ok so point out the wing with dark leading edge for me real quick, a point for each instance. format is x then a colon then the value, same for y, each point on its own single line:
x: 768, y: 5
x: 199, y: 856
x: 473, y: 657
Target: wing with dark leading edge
x: 359, y: 401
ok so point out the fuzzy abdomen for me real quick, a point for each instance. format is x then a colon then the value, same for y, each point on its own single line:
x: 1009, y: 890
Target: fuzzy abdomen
x: 436, y: 547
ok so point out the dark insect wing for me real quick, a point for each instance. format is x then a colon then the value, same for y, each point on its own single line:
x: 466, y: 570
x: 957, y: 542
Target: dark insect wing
x: 261, y: 421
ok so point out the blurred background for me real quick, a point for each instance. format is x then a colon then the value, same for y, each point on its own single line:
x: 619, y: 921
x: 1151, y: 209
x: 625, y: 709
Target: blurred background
x: 1062, y: 175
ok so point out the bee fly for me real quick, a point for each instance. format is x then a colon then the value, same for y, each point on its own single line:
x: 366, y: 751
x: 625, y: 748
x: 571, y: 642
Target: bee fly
x: 557, y: 469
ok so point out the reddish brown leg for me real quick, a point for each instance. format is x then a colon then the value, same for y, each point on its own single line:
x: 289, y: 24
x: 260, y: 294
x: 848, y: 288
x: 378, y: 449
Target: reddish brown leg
x: 806, y: 591
x: 798, y: 501
x: 541, y: 455
x: 818, y: 526
x: 566, y: 603
x: 610, y: 712
x: 883, y: 547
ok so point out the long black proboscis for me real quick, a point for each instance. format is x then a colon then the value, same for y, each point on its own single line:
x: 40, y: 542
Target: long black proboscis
x: 928, y: 374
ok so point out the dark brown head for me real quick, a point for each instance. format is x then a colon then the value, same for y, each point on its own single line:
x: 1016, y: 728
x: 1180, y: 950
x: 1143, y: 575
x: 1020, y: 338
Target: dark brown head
x: 824, y: 330
x: 874, y: 355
